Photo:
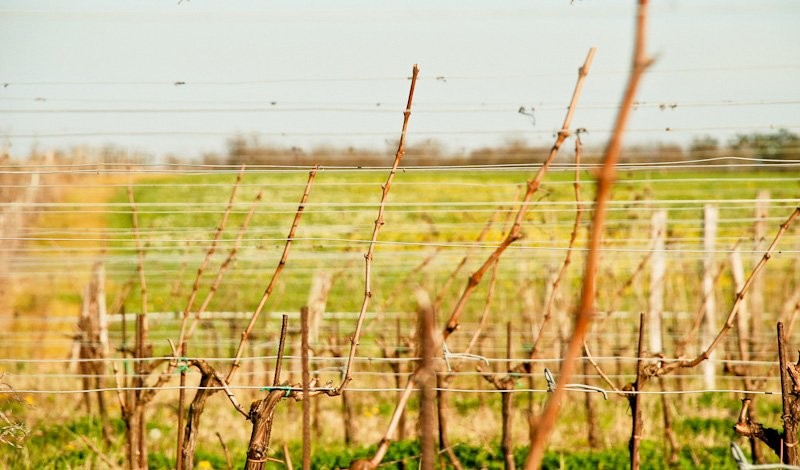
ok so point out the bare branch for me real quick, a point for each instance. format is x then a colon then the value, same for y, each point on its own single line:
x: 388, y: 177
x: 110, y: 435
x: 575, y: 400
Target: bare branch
x: 532, y: 186
x: 545, y: 423
x: 378, y: 224
x: 211, y: 250
x: 225, y: 265
x: 225, y: 449
x: 597, y: 368
x: 669, y: 367
x: 275, y: 276
x: 548, y: 310
x: 446, y: 286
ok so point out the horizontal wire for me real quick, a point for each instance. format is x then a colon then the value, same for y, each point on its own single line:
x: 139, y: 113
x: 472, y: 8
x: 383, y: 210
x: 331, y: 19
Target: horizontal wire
x: 375, y: 359
x: 193, y: 247
x: 372, y: 204
x: 386, y: 389
x: 69, y: 336
x: 490, y: 210
x: 348, y: 184
x: 384, y: 134
x: 517, y: 247
x: 188, y: 170
x: 381, y: 374
x: 275, y: 107
x: 203, y: 169
x: 440, y: 78
x: 438, y: 227
x: 236, y: 168
x: 422, y: 107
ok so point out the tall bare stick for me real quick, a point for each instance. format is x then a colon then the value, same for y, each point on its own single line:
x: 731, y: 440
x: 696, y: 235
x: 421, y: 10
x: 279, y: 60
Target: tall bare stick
x: 446, y: 286
x: 548, y: 311
x: 181, y: 413
x: 545, y: 423
x: 225, y: 449
x: 209, y: 375
x: 211, y: 250
x: 135, y: 422
x: 710, y: 222
x: 426, y: 377
x: 532, y: 186
x: 224, y: 266
x: 401, y: 151
x: 306, y: 378
x: 486, y: 309
x: 634, y: 399
x: 487, y: 304
x: 788, y: 398
x: 655, y: 304
x: 275, y: 275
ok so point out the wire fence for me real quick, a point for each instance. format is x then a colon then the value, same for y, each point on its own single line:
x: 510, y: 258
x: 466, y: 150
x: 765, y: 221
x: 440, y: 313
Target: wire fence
x: 722, y: 171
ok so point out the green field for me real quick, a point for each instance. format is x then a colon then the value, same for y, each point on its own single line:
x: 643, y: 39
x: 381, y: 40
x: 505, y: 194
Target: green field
x: 432, y: 220
x: 425, y: 209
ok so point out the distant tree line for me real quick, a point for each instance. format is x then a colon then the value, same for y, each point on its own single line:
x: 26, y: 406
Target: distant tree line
x: 779, y: 145
x: 771, y: 147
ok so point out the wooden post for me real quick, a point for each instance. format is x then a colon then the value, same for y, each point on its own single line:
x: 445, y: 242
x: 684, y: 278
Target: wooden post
x: 593, y: 434
x: 181, y: 412
x: 789, y: 400
x: 315, y: 305
x: 760, y: 242
x: 658, y: 230
x: 348, y: 415
x: 442, y: 382
x: 671, y: 441
x: 658, y: 268
x: 506, y: 397
x: 426, y: 378
x: 317, y: 300
x: 401, y: 426
x: 84, y: 342
x: 304, y: 333
x: 711, y: 217
x: 743, y: 319
x: 94, y: 348
x: 635, y: 402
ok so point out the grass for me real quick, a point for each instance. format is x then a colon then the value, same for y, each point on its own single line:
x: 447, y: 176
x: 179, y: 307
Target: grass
x: 59, y: 447
x: 342, y: 208
x: 703, y: 424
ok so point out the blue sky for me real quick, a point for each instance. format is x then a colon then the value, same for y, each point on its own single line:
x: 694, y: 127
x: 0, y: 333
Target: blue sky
x: 324, y: 73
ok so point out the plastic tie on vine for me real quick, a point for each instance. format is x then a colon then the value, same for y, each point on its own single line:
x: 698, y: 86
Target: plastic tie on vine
x: 182, y: 364
x: 278, y: 387
x: 552, y: 384
x: 448, y: 355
